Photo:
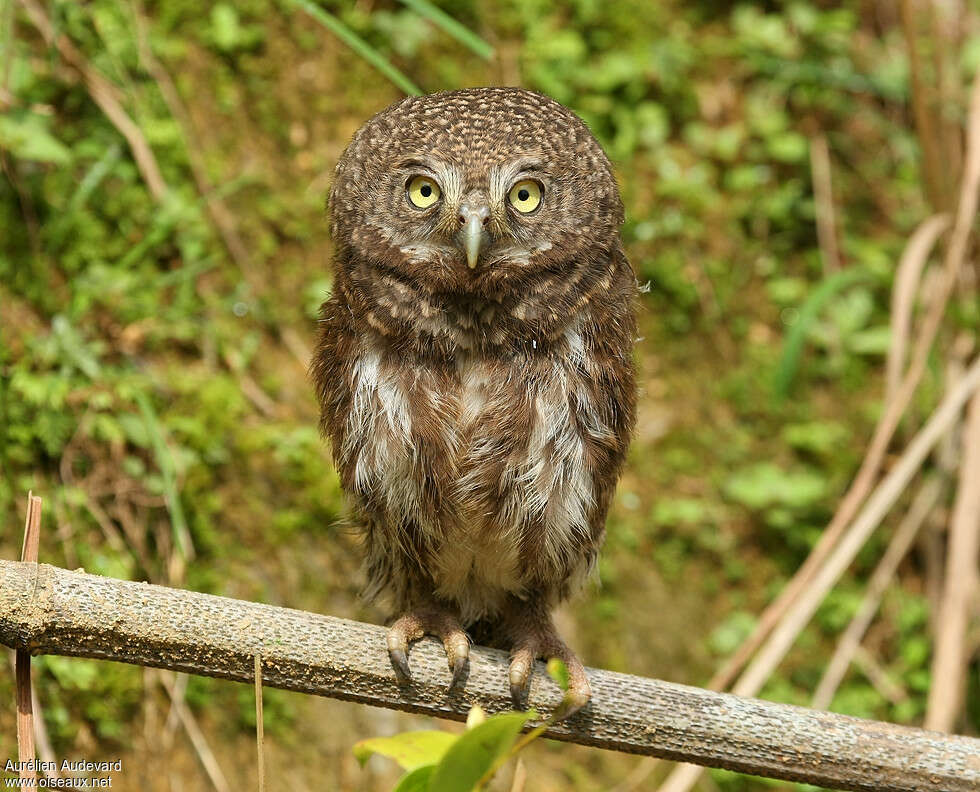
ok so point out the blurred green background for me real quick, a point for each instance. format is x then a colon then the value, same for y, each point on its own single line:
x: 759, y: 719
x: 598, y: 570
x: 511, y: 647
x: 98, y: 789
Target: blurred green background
x: 154, y: 339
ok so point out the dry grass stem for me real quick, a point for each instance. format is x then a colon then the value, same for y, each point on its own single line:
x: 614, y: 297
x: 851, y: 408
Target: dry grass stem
x: 42, y: 739
x: 949, y: 661
x: 177, y: 693
x: 947, y: 43
x: 644, y: 768
x: 198, y: 740
x: 901, y: 542
x: 886, y: 687
x: 823, y: 196
x: 908, y: 276
x: 297, y: 347
x: 520, y: 776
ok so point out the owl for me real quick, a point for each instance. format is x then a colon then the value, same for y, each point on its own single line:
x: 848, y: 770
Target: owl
x: 474, y: 367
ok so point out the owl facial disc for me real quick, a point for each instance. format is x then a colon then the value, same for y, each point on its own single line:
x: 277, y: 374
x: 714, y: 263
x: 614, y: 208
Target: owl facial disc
x: 472, y: 236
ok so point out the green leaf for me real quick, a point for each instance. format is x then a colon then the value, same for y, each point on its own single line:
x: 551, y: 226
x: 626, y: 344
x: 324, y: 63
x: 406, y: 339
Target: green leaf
x: 410, y: 749
x: 558, y: 671
x: 418, y: 780
x: 796, y: 337
x: 225, y: 26
x: 26, y: 135
x: 730, y: 634
x: 478, y: 752
x: 765, y: 485
x: 873, y: 341
x: 816, y: 437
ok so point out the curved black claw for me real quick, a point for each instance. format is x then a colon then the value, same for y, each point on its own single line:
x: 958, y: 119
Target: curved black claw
x: 517, y: 690
x: 459, y: 671
x: 399, y: 661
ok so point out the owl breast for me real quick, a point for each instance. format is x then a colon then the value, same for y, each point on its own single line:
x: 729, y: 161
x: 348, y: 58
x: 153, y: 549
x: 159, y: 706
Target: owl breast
x: 481, y: 468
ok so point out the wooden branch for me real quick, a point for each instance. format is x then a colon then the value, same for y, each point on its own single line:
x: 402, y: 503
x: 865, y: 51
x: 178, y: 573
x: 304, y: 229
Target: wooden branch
x: 47, y: 610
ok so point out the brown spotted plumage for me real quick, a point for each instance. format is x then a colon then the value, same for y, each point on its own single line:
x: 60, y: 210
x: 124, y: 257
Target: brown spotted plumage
x: 474, y: 365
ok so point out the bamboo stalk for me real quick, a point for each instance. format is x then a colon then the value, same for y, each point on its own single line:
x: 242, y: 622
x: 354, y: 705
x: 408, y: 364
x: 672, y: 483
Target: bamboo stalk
x: 48, y: 610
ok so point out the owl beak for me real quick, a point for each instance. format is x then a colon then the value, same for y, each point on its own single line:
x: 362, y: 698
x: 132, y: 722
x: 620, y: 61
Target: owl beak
x: 472, y: 234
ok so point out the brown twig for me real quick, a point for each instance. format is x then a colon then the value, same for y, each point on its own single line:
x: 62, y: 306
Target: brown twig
x: 259, y: 723
x: 22, y: 661
x: 90, y: 616
x: 949, y: 660
x: 105, y: 95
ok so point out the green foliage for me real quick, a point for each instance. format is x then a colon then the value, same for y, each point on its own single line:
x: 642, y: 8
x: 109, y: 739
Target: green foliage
x: 411, y: 749
x: 442, y: 762
x: 478, y: 752
x: 437, y: 760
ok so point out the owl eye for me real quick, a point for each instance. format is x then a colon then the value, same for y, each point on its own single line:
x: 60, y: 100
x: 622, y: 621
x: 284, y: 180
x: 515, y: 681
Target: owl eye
x: 525, y: 196
x: 423, y: 191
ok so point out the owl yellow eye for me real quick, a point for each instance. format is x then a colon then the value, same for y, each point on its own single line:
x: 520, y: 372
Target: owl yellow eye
x: 423, y: 191
x: 525, y: 196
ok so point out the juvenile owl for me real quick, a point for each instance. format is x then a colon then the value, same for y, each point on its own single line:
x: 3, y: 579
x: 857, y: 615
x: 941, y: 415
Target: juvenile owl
x: 474, y: 366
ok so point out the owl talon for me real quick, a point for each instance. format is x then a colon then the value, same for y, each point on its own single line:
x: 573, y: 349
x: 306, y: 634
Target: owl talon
x: 459, y: 671
x: 399, y: 661
x: 520, y: 675
x: 517, y: 695
x: 534, y: 637
x: 432, y: 620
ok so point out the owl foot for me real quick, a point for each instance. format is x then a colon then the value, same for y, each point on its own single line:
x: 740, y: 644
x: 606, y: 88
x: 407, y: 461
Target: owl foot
x: 429, y: 620
x: 537, y: 638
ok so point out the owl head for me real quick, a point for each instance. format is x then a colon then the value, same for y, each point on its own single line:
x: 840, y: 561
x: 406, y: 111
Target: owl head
x: 473, y: 217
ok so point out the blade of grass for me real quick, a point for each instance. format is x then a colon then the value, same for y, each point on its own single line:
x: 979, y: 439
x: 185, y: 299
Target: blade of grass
x: 793, y: 348
x: 359, y: 45
x: 182, y: 537
x: 94, y: 176
x: 451, y: 27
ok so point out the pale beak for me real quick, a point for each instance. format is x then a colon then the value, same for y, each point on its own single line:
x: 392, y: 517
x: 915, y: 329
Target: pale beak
x: 472, y: 235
